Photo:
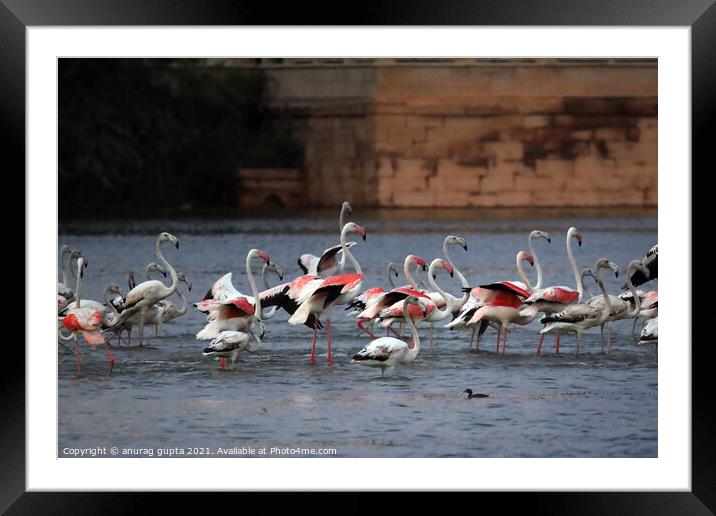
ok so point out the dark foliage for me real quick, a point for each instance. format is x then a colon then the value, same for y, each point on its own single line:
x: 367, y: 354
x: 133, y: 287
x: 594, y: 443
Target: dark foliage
x: 162, y: 135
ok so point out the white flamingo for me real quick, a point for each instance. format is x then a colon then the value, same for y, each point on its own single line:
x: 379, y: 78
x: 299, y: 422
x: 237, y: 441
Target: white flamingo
x: 620, y: 308
x: 228, y: 344
x: 64, y: 289
x: 165, y: 310
x: 578, y: 317
x: 551, y: 300
x: 386, y: 352
x: 148, y: 293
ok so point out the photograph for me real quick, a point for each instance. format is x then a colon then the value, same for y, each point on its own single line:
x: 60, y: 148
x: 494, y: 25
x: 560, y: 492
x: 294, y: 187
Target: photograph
x: 357, y: 257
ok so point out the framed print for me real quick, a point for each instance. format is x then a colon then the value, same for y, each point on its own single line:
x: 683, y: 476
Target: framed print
x: 513, y: 167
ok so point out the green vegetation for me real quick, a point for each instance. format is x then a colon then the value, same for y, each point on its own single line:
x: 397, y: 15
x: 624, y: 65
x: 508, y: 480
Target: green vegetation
x: 162, y: 134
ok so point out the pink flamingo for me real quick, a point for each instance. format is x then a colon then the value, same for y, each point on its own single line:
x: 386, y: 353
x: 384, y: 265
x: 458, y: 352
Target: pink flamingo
x: 380, y: 301
x: 227, y: 308
x: 501, y: 303
x: 86, y: 321
x: 551, y: 300
x: 339, y: 289
x: 438, y: 304
x: 476, y: 302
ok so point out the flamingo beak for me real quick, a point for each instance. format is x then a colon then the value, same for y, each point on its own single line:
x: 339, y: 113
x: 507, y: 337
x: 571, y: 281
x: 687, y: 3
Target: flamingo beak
x: 549, y: 240
x: 465, y: 247
x: 176, y: 244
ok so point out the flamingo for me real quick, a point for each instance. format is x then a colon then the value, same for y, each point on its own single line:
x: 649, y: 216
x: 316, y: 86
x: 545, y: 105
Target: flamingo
x: 227, y: 308
x: 476, y: 302
x: 334, y: 290
x: 651, y: 262
x: 386, y: 352
x: 145, y: 295
x: 578, y: 317
x: 64, y: 289
x: 438, y: 303
x: 620, y: 308
x: 151, y: 267
x: 380, y: 301
x: 228, y: 344
x: 359, y: 303
x: 501, y: 303
x: 85, y: 321
x: 551, y: 300
x: 165, y: 310
x: 326, y: 264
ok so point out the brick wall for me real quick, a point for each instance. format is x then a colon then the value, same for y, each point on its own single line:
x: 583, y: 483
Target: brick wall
x: 485, y: 133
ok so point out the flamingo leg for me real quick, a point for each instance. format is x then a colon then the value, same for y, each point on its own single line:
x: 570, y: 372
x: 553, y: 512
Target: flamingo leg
x: 472, y: 337
x: 77, y: 353
x: 539, y: 346
x: 360, y: 323
x: 234, y: 356
x: 576, y: 351
x: 110, y: 358
x: 602, y: 330
x: 390, y: 328
x: 504, y: 341
x: 431, y: 336
x: 222, y: 363
x: 499, y: 334
x: 156, y: 330
x: 609, y: 339
x: 557, y: 350
x: 330, y: 356
x: 400, y: 330
x: 313, y: 347
x: 141, y: 327
x: 633, y: 328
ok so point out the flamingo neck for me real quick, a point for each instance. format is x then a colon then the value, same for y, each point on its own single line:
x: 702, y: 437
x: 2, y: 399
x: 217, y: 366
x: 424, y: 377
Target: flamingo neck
x: 341, y: 224
x: 415, y: 349
x: 407, y: 273
x: 77, y: 290
x: 460, y: 277
x: 107, y: 302
x: 530, y: 246
x: 168, y: 268
x: 439, y: 314
x: 184, y: 306
x: 637, y: 300
x: 257, y: 300
x: 347, y: 253
x: 390, y: 277
x: 573, y: 263
x: 607, y: 303
x: 523, y: 276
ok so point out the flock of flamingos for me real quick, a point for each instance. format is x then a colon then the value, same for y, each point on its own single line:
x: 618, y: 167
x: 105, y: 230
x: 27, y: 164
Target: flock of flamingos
x: 235, y: 321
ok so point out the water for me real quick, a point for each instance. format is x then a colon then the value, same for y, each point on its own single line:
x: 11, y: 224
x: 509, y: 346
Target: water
x: 168, y: 395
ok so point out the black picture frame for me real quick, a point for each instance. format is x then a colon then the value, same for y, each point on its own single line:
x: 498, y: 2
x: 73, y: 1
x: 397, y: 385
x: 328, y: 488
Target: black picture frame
x: 700, y: 15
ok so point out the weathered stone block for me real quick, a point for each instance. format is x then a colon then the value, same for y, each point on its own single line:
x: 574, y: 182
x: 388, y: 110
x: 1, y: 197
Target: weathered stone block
x: 555, y: 167
x: 493, y: 183
x: 513, y: 199
x: 505, y: 150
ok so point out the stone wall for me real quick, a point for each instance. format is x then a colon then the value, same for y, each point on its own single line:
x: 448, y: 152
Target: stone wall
x: 460, y: 133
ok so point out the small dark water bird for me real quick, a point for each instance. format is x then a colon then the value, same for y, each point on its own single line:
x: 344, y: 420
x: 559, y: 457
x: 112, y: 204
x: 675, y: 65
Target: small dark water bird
x: 469, y: 394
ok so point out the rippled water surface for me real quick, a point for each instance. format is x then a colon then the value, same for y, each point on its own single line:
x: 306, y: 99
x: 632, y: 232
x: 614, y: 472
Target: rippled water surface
x: 169, y: 395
